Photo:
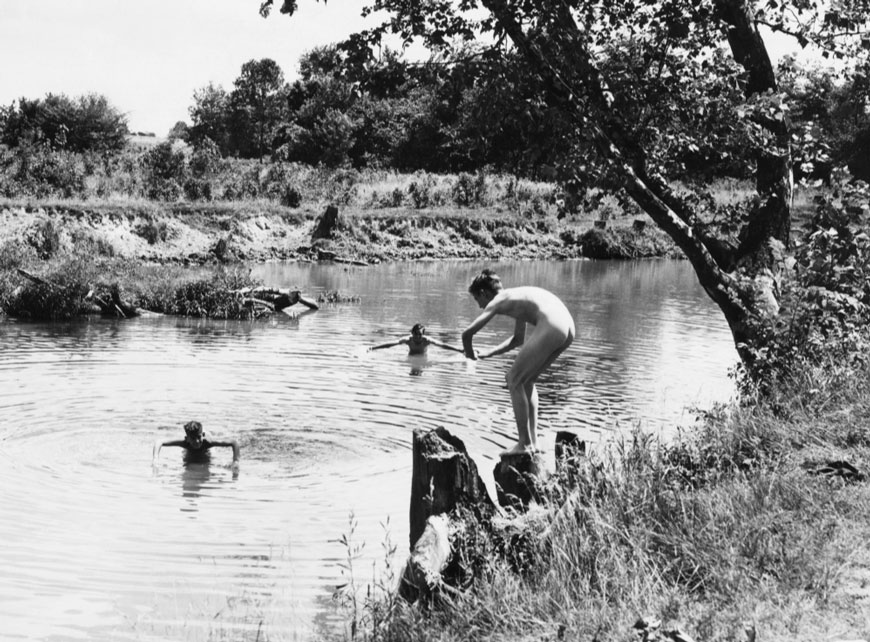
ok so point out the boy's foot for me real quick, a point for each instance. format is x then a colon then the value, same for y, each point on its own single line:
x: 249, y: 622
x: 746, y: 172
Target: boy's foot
x: 519, y: 449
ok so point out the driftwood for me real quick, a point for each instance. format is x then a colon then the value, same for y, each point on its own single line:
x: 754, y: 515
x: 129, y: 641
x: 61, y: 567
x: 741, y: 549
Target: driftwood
x: 38, y: 279
x: 114, y: 305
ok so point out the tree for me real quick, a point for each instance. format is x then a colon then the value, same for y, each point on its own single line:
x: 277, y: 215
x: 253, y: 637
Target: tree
x: 80, y: 124
x: 256, y: 107
x: 179, y: 131
x: 210, y: 117
x: 565, y: 41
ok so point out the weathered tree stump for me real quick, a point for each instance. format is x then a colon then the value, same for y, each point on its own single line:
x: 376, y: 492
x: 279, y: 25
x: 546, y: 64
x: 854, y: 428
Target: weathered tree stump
x: 443, y: 478
x: 447, y: 497
x: 327, y: 223
x: 518, y: 480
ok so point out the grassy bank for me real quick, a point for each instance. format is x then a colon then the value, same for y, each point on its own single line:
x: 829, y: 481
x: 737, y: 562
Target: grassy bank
x: 750, y: 528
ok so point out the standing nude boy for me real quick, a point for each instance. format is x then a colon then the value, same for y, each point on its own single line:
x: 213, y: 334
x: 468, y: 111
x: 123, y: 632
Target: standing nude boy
x: 553, y: 333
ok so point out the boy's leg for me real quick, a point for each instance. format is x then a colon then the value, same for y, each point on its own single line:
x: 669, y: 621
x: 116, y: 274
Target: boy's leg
x: 520, y: 403
x: 532, y: 396
x: 534, y: 357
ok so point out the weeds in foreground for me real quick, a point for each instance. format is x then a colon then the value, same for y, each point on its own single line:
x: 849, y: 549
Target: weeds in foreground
x: 366, y: 608
x: 718, y: 531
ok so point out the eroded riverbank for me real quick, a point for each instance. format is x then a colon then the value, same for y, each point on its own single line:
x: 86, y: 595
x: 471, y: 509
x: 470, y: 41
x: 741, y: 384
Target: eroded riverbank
x: 185, y: 234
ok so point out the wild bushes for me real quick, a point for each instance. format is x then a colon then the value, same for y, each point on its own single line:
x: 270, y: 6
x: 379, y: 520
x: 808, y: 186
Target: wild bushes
x: 825, y: 296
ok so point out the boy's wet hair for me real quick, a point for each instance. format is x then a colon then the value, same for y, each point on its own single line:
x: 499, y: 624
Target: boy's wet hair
x: 486, y: 280
x: 192, y: 427
x: 418, y: 328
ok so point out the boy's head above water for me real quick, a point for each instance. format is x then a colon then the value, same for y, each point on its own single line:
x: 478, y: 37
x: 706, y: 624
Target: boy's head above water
x: 193, y: 433
x: 418, y: 330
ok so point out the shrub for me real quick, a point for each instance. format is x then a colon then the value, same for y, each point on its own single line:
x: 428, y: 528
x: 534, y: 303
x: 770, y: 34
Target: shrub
x: 469, y: 190
x: 153, y: 231
x: 165, y: 172
x: 212, y: 296
x: 825, y: 301
x: 37, y: 170
x: 205, y: 159
x: 420, y: 190
x: 507, y: 236
x: 58, y: 297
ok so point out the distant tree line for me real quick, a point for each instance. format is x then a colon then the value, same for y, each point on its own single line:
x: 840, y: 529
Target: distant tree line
x: 462, y: 112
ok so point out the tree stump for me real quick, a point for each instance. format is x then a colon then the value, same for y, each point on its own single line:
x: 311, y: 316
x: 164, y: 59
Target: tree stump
x: 422, y: 575
x: 327, y: 223
x: 443, y: 478
x: 517, y: 479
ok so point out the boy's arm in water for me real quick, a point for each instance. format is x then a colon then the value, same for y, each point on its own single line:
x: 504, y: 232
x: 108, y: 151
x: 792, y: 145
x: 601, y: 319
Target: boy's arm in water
x: 155, y: 453
x: 229, y: 444
x: 444, y: 345
x: 390, y: 344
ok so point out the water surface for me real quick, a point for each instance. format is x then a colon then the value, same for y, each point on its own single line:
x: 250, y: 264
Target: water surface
x: 100, y: 545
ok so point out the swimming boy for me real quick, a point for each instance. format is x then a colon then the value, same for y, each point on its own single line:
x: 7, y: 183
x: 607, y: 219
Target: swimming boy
x: 417, y: 342
x: 196, y: 444
x: 553, y: 333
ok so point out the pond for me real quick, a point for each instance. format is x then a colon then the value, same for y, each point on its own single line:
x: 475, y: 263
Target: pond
x: 101, y: 545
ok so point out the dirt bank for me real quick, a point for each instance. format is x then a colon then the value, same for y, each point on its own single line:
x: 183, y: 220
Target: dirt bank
x: 185, y: 234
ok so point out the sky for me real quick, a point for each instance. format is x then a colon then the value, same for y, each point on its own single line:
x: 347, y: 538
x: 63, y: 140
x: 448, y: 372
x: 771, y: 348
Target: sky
x: 149, y: 56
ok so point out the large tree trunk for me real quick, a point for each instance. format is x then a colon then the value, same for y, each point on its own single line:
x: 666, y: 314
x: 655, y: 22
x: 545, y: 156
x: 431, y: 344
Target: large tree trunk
x: 743, y: 280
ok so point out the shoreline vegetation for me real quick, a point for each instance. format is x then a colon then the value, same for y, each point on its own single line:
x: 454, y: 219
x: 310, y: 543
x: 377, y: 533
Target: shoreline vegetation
x: 749, y: 526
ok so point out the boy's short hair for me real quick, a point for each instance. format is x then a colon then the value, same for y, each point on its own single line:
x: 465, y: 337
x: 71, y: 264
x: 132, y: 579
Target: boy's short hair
x: 418, y: 327
x: 486, y: 280
x: 192, y: 426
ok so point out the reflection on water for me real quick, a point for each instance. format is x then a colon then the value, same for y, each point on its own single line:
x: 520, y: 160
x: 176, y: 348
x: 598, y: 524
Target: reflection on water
x: 100, y: 546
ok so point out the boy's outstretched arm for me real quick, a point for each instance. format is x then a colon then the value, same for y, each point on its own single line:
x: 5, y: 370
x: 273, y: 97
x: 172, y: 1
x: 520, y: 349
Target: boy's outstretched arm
x: 230, y: 444
x: 390, y: 344
x: 155, y: 453
x: 445, y: 346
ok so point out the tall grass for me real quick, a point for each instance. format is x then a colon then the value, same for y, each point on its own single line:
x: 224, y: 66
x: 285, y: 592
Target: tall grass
x: 719, y: 530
